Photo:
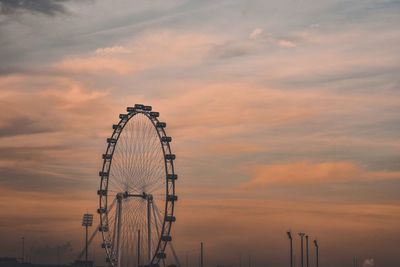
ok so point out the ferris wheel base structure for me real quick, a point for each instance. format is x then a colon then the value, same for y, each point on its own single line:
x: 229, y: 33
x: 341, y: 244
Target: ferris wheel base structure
x: 137, y: 190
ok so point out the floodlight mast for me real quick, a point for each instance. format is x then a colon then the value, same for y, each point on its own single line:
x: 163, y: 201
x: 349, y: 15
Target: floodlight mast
x: 289, y: 233
x: 87, y: 221
x: 302, y: 248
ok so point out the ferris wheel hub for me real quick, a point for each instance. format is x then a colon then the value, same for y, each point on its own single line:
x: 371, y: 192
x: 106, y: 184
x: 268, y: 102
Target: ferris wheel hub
x: 126, y: 194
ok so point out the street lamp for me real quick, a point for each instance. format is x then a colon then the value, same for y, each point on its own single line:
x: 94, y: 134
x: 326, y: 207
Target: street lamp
x: 291, y: 247
x: 302, y: 249
x: 316, y: 251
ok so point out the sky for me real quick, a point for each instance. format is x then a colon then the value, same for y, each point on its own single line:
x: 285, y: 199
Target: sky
x: 284, y: 116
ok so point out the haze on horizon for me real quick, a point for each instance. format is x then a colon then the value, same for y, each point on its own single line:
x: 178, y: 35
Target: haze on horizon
x: 284, y: 115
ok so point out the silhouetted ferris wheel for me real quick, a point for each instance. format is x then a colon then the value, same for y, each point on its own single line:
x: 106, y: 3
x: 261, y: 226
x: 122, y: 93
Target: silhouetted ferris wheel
x: 137, y: 190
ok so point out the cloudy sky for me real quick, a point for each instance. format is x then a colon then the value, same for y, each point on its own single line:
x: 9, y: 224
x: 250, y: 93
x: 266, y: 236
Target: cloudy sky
x: 284, y: 114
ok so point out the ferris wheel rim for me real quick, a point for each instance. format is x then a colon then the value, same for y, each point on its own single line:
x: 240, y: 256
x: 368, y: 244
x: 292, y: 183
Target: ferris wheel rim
x: 170, y: 178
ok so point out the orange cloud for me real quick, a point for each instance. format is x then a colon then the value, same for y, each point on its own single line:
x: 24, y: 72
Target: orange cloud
x: 313, y: 173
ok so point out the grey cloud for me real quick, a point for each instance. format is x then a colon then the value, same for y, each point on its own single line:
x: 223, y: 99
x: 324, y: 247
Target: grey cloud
x: 230, y: 50
x: 21, y: 126
x: 28, y: 153
x: 29, y: 179
x: 47, y: 7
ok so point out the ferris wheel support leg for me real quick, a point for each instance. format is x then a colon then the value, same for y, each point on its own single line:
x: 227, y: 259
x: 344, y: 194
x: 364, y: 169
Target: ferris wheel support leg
x: 119, y: 204
x: 149, y: 202
x: 138, y: 249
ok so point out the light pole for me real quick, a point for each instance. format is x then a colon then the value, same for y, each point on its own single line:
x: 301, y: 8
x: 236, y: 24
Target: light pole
x: 302, y: 248
x: 291, y: 247
x: 87, y: 221
x: 201, y: 255
x: 316, y: 252
x: 308, y: 263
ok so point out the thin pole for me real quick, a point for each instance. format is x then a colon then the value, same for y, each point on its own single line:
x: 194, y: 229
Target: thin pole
x: 201, y: 255
x: 149, y: 228
x: 307, y: 259
x: 119, y: 204
x: 249, y: 261
x: 138, y: 248
x: 302, y: 248
x: 291, y: 252
x: 187, y: 259
x: 23, y: 250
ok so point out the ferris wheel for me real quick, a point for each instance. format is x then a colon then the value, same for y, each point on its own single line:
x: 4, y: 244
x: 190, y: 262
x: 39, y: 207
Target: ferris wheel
x: 137, y: 190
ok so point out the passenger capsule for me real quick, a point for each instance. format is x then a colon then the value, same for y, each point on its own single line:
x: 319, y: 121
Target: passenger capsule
x: 123, y: 116
x: 101, y: 210
x: 102, y: 192
x: 161, y: 124
x: 166, y: 238
x: 147, y: 108
x: 130, y: 109
x: 106, y: 245
x: 170, y: 218
x: 111, y: 140
x: 161, y: 255
x: 103, y: 228
x: 172, y: 198
x: 139, y: 106
x: 154, y: 114
x: 107, y: 156
x: 172, y: 176
x: 170, y: 156
x: 103, y: 174
x: 166, y: 139
x: 116, y: 126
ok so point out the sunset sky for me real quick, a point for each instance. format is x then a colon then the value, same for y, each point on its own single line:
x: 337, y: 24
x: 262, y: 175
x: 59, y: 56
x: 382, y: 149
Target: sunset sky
x: 284, y: 115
